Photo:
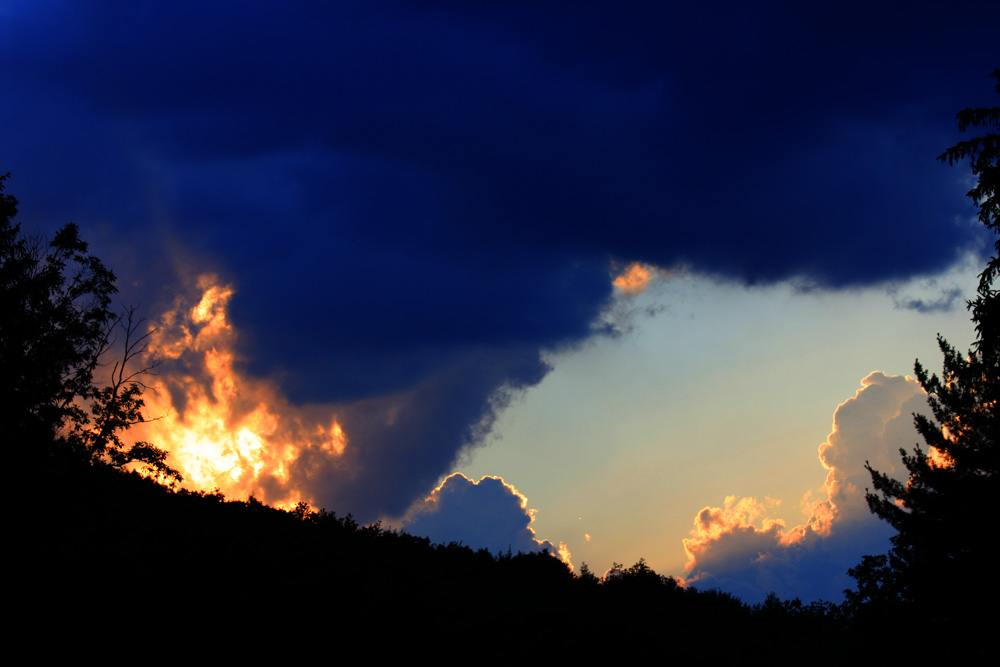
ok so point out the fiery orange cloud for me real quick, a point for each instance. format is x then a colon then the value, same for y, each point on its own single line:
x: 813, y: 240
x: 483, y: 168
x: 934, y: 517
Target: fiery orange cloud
x: 636, y: 278
x: 221, y: 428
x: 565, y: 556
x: 734, y: 518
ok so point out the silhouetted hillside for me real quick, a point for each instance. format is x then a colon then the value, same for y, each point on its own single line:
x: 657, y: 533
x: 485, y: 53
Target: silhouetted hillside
x: 115, y: 550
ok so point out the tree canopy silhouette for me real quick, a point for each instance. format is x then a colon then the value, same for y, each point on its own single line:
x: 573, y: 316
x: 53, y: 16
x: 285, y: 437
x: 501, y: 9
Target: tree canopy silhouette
x: 983, y: 154
x: 940, y: 510
x: 57, y: 330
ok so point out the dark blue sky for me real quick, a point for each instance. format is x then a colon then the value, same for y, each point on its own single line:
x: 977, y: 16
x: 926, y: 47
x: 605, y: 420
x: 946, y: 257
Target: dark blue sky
x: 426, y: 194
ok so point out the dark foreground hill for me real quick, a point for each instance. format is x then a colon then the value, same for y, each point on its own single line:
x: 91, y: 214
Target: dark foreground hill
x: 111, y: 560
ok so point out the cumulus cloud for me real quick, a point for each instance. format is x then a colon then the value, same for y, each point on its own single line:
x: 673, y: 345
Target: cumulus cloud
x: 488, y: 514
x: 744, y: 548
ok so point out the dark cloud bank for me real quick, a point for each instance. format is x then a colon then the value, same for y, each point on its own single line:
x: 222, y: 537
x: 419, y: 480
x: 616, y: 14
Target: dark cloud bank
x: 413, y: 199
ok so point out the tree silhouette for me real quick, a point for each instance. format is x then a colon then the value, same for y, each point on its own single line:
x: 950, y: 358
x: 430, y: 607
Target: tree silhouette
x: 940, y: 511
x: 57, y: 329
x: 983, y: 154
x: 117, y: 406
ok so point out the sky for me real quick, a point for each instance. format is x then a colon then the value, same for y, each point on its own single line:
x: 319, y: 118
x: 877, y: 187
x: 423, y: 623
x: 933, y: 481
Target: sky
x: 618, y: 282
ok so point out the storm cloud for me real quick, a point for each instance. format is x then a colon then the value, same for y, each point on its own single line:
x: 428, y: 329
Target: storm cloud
x: 413, y: 201
x: 393, y: 183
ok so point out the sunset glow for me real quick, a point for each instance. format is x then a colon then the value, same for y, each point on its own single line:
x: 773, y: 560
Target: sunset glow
x: 636, y: 278
x: 938, y: 459
x: 223, y: 429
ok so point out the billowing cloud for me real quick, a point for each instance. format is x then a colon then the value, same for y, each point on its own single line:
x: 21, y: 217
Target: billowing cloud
x: 222, y: 429
x: 227, y: 429
x: 742, y: 547
x: 488, y: 514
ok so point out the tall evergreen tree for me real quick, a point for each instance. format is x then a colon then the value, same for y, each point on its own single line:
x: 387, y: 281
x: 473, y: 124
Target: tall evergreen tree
x: 983, y: 154
x: 941, y: 557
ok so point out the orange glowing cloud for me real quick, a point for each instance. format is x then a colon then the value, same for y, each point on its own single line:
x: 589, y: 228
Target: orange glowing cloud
x: 736, y: 522
x: 636, y: 278
x: 565, y: 556
x: 221, y: 428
